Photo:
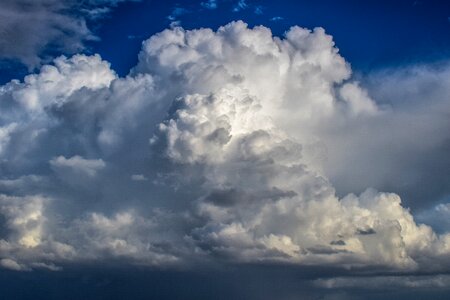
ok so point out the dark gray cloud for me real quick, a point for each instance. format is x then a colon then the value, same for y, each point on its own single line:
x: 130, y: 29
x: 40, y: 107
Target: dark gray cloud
x: 28, y: 28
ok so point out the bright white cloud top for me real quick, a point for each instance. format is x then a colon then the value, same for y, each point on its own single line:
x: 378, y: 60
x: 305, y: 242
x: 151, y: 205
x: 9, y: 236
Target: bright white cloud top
x: 218, y: 146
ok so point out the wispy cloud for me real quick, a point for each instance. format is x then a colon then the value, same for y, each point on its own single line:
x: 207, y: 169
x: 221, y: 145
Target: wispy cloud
x: 240, y: 5
x: 210, y: 4
x: 177, y: 12
x: 277, y: 18
x: 259, y: 10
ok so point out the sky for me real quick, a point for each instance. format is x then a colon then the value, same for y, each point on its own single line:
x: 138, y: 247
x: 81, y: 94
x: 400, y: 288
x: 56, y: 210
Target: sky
x: 224, y: 149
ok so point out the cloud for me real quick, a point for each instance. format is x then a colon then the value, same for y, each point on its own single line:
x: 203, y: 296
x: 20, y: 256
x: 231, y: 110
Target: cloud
x: 437, y: 216
x: 11, y: 264
x: 276, y: 19
x: 236, y: 137
x: 240, y: 5
x: 30, y: 30
x: 413, y: 165
x: 24, y: 219
x: 387, y: 282
x: 138, y: 177
x: 77, y: 165
x: 210, y: 4
x: 177, y: 12
x: 259, y: 10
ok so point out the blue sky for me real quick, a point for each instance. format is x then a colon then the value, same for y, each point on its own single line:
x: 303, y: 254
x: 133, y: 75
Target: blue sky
x: 370, y: 34
x: 224, y: 149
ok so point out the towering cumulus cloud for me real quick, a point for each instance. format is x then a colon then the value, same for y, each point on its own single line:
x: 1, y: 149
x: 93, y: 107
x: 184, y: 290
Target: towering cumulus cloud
x: 215, y: 148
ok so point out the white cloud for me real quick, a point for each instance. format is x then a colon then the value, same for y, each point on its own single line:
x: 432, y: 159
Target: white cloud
x: 57, y: 82
x: 234, y: 133
x: 78, y: 165
x: 11, y: 264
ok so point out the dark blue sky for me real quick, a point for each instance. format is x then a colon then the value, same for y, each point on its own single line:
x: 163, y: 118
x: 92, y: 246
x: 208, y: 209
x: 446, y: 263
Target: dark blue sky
x: 370, y: 34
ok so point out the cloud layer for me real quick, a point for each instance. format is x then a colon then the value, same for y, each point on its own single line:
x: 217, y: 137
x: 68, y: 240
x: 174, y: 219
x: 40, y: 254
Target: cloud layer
x: 217, y: 147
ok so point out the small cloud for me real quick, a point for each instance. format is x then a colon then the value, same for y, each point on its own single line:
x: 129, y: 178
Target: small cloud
x: 210, y: 4
x: 174, y: 24
x: 176, y: 12
x: 77, y: 165
x: 241, y: 5
x: 277, y: 18
x: 12, y: 265
x: 96, y: 13
x: 133, y: 37
x: 138, y: 177
x: 259, y: 10
x: 51, y: 267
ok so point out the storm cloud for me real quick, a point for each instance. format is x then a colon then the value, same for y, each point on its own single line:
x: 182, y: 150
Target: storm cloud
x: 218, y: 147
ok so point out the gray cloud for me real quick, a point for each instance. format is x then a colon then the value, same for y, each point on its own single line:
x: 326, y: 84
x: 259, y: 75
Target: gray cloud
x: 406, y: 144
x: 28, y: 28
x: 387, y: 282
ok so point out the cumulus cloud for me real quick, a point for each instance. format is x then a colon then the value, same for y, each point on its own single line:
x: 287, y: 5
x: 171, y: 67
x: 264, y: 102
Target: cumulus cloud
x: 217, y: 147
x: 28, y: 27
x: 25, y: 219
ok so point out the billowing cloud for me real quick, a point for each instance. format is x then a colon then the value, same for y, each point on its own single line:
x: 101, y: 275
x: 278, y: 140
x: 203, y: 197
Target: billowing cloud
x: 219, y: 146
